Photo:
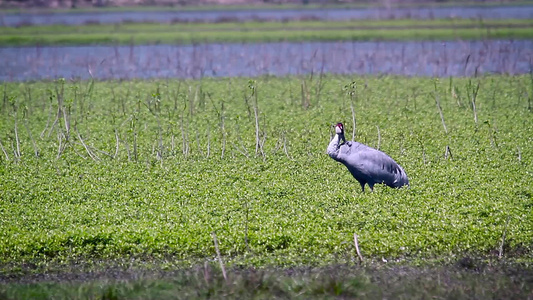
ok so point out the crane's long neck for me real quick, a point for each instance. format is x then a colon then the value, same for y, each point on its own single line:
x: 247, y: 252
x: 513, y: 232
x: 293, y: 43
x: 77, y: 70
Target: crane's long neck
x: 334, y: 144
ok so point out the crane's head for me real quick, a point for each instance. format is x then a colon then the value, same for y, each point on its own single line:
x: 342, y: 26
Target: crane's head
x: 339, y: 128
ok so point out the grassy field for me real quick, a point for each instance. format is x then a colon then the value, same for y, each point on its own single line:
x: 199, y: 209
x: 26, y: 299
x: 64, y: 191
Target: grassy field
x: 141, y: 173
x: 183, y: 33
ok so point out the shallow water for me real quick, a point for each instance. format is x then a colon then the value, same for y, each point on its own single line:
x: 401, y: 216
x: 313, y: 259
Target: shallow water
x: 451, y: 58
x: 487, y: 12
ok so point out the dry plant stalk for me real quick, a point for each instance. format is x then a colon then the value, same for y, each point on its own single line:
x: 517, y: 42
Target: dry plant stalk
x: 258, y: 144
x: 17, y: 151
x: 357, y: 247
x: 198, y: 144
x: 219, y: 256
x: 208, y: 140
x: 448, y: 152
x: 4, y: 150
x: 246, y: 227
x: 35, y: 149
x: 353, y: 120
x: 60, y: 147
x: 423, y: 150
x: 244, y: 151
x: 440, y: 112
x: 47, y: 121
x: 306, y: 96
x: 206, y: 272
x: 379, y: 138
x: 474, y: 96
x: 127, y: 146
x: 117, y: 144
x: 89, y: 152
x: 257, y: 139
x: 285, y: 146
x: 500, y: 252
x: 222, y: 130
x: 184, y: 138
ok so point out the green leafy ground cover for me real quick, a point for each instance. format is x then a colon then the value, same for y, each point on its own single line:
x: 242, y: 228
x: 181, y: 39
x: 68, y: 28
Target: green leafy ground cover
x: 398, y: 282
x: 147, y: 170
x: 142, y: 33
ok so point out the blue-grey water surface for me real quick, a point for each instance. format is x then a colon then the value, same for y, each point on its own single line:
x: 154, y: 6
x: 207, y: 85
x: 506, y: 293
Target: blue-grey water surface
x: 451, y: 58
x: 466, y: 12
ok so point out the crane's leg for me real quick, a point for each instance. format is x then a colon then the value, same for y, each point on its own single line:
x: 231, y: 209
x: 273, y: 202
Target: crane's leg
x: 362, y: 186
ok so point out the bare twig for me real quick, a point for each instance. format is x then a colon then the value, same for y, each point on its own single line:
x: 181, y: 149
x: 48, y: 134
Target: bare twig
x: 474, y: 96
x: 440, y: 112
x: 35, y: 149
x: 500, y: 252
x: 135, y: 145
x: 448, y: 152
x: 219, y: 256
x: 263, y: 140
x: 17, y: 152
x: 89, y: 152
x: 423, y: 150
x: 198, y: 144
x: 222, y: 130
x: 257, y: 139
x: 206, y: 272
x: 184, y: 138
x: 208, y: 140
x: 47, y: 121
x: 244, y: 151
x: 127, y: 149
x: 306, y: 96
x: 379, y: 138
x: 285, y: 146
x: 59, y: 147
x: 161, y: 148
x: 117, y: 144
x: 466, y: 64
x: 353, y: 120
x: 357, y: 247
x: 258, y: 145
x: 246, y: 226
x: 172, y: 144
x: 4, y: 150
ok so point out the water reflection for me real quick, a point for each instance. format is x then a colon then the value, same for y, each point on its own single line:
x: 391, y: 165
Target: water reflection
x: 451, y: 58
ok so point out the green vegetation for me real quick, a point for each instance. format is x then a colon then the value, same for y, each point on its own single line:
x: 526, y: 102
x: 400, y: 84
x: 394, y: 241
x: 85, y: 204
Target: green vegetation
x: 143, y: 33
x: 207, y: 282
x: 145, y: 171
x: 176, y: 174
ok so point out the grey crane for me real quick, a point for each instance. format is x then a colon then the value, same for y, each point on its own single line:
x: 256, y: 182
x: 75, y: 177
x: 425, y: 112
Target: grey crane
x: 367, y: 165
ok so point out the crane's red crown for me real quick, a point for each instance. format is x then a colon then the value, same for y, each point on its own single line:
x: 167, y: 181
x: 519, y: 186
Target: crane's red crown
x: 339, y: 128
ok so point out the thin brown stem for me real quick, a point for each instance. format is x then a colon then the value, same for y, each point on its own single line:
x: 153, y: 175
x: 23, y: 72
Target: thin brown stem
x: 117, y: 144
x: 219, y: 256
x: 357, y: 247
x: 4, y: 150
x: 379, y: 138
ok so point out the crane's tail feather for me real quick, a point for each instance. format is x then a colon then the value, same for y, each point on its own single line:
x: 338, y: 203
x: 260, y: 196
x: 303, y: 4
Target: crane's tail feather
x: 402, y: 179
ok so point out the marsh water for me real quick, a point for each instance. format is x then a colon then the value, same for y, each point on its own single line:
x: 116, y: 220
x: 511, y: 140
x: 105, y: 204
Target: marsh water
x: 450, y: 58
x: 469, y: 12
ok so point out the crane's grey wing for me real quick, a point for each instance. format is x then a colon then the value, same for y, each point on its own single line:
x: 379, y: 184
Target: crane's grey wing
x: 344, y: 151
x: 375, y: 166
